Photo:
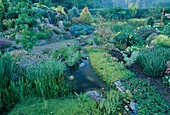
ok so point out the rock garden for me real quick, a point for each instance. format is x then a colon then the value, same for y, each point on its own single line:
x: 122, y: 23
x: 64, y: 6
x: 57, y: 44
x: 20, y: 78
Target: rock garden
x: 62, y: 58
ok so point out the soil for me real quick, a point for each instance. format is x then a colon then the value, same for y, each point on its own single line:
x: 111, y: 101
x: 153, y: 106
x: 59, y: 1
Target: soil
x: 163, y: 89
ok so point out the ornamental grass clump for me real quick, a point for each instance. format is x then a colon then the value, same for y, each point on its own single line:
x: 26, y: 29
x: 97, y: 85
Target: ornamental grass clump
x: 153, y: 61
x: 48, y: 78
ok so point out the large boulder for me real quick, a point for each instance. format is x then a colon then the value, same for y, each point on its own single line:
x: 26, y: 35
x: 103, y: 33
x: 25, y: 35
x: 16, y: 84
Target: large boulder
x: 150, y: 38
x: 4, y: 45
x: 94, y: 95
x: 42, y: 42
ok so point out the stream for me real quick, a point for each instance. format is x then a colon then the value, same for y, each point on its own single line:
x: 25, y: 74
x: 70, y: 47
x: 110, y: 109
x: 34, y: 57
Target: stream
x: 85, y: 79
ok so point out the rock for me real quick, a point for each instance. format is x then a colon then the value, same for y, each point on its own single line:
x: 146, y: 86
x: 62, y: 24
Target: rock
x: 36, y: 29
x: 71, y: 77
x: 15, y: 53
x: 32, y: 60
x: 54, y: 38
x: 55, y: 28
x: 38, y: 21
x: 68, y: 35
x: 41, y: 42
x: 82, y: 65
x: 118, y: 83
x: 60, y: 25
x: 47, y: 20
x: 150, y: 38
x: 1, y: 34
x: 94, y: 95
x: 134, y: 108
x: 18, y: 36
x: 5, y: 44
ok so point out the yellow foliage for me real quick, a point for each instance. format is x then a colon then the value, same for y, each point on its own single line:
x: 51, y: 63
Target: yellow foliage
x: 86, y: 17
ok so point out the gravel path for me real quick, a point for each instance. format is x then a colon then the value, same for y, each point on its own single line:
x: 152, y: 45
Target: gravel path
x: 51, y: 46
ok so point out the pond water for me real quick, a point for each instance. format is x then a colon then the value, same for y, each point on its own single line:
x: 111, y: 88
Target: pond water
x: 85, y: 79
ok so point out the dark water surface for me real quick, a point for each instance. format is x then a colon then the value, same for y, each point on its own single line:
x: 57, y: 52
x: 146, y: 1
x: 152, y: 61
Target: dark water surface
x: 85, y: 79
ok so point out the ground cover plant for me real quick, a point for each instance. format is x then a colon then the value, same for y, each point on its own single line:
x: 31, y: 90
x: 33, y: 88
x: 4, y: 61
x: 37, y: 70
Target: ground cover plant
x: 108, y: 68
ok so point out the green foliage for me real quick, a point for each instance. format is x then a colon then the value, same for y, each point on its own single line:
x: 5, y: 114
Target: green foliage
x: 1, y: 13
x: 126, y: 37
x: 69, y: 54
x: 166, y: 30
x: 133, y: 9
x: 81, y: 29
x: 86, y: 17
x: 48, y: 79
x: 148, y: 98
x: 162, y: 41
x: 166, y: 79
x: 115, y: 103
x: 60, y: 9
x: 136, y: 22
x: 153, y: 61
x: 150, y: 22
x: 27, y: 41
x: 166, y: 20
x: 38, y: 35
x: 8, y: 93
x: 8, y: 23
x: 74, y: 12
x: 108, y: 68
x: 132, y: 59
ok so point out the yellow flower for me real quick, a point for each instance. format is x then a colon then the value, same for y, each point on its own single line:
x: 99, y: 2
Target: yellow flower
x: 118, y: 33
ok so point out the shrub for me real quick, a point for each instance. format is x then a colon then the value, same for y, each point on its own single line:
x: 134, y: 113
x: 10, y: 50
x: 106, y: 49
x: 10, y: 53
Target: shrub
x: 136, y: 22
x: 60, y: 9
x: 27, y: 41
x: 86, y: 17
x: 74, y: 12
x: 162, y: 41
x: 153, y: 61
x: 69, y: 54
x: 166, y: 20
x: 126, y: 37
x: 150, y: 21
x: 38, y: 35
x: 166, y: 30
x: 81, y: 29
